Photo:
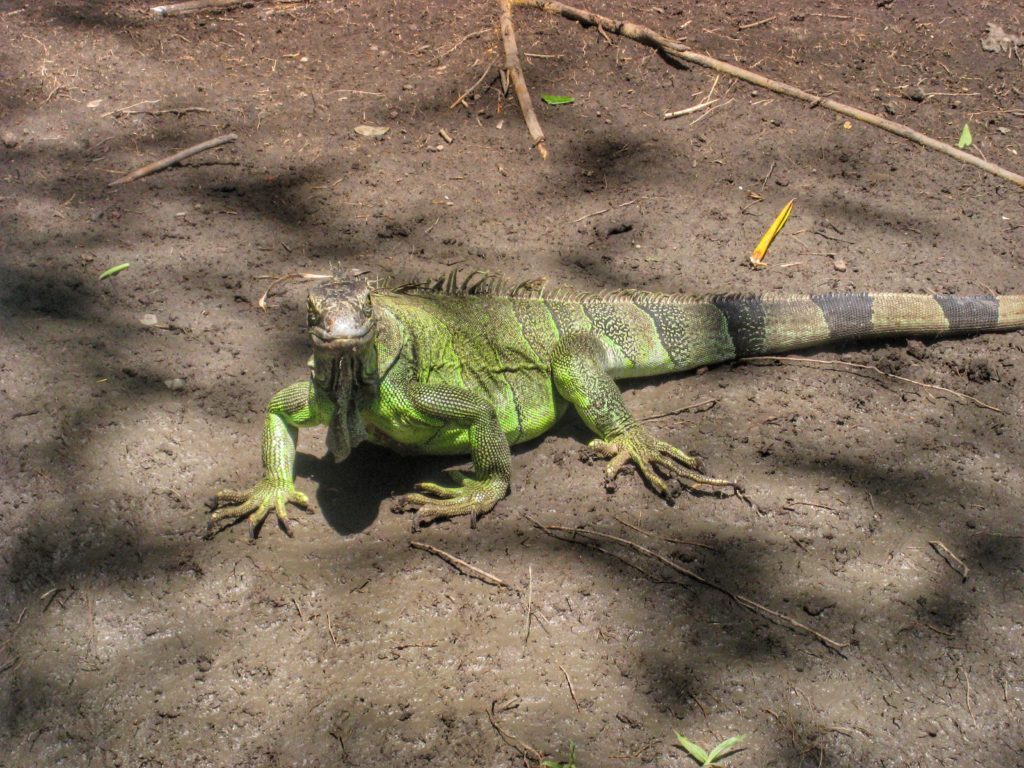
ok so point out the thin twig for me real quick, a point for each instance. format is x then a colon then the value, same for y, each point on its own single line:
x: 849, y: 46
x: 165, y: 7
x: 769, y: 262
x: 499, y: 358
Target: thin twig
x: 689, y: 110
x: 753, y: 24
x: 515, y: 72
x: 678, y: 411
x: 463, y: 39
x: 330, y: 630
x: 604, y: 210
x: 529, y: 604
x: 159, y: 165
x: 712, y: 111
x: 571, y: 691
x: 683, y: 542
x: 519, y: 745
x: 879, y: 371
x: 194, y: 6
x: 262, y: 303
x: 967, y: 681
x: 636, y: 528
x: 952, y: 560
x: 674, y: 52
x: 742, y: 600
x: 176, y: 111
x: 130, y: 106
x: 461, y: 565
x: 473, y: 87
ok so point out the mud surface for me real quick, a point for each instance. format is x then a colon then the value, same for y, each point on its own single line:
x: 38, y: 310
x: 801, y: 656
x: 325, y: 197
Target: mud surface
x: 128, y: 639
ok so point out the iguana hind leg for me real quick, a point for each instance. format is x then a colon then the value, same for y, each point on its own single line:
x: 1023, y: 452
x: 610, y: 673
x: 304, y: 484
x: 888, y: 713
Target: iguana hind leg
x: 492, y: 460
x: 578, y: 368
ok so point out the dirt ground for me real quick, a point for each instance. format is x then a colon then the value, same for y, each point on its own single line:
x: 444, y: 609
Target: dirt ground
x: 127, y: 639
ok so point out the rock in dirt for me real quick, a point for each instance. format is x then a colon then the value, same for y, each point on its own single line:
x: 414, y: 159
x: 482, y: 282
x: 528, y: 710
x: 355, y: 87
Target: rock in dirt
x: 996, y: 40
x: 9, y: 139
x: 371, y: 131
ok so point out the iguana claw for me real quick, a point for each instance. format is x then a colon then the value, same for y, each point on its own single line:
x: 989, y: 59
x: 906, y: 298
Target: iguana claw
x: 472, y: 497
x: 255, y: 504
x: 650, y: 454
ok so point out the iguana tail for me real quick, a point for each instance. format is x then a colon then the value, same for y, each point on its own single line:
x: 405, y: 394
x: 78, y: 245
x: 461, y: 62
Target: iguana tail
x: 685, y: 333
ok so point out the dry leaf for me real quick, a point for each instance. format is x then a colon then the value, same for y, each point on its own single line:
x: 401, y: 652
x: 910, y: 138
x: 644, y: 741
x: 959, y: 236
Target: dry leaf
x: 757, y: 257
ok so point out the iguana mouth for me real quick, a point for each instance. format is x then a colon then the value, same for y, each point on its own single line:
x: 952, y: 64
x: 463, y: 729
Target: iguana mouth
x: 324, y: 341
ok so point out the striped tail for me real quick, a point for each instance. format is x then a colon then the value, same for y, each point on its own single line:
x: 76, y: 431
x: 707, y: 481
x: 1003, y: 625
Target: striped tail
x: 769, y: 324
x: 651, y: 334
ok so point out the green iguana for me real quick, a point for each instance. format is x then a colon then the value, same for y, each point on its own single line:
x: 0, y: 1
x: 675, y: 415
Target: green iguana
x: 475, y: 367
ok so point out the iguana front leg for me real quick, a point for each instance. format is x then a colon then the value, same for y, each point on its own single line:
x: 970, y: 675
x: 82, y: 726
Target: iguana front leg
x: 578, y: 368
x: 492, y: 459
x: 297, y: 406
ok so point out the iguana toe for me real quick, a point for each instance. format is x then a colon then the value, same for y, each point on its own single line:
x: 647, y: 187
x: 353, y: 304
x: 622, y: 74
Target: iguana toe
x: 255, y: 504
x: 656, y: 460
x: 435, y: 502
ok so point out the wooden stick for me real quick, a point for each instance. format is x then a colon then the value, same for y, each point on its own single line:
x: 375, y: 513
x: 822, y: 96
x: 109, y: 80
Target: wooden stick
x: 952, y: 560
x: 515, y: 72
x: 461, y: 565
x: 193, y: 6
x: 746, y: 602
x: 159, y: 165
x: 689, y: 110
x: 712, y: 402
x: 524, y: 749
x: 571, y: 691
x: 673, y: 50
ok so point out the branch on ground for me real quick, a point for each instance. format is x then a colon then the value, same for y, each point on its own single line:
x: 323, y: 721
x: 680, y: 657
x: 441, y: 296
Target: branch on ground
x: 675, y: 53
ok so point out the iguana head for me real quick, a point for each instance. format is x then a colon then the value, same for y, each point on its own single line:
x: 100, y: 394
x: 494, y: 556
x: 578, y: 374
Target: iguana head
x: 340, y: 316
x: 341, y: 330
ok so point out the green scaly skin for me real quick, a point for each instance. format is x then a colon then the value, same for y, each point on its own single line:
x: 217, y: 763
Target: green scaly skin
x: 474, y: 368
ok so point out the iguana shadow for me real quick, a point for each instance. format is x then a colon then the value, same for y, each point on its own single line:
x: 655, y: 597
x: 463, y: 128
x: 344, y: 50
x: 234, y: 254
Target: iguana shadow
x: 352, y: 493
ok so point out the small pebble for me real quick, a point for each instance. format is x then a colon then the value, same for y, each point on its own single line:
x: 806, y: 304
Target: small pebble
x: 9, y: 139
x: 148, y: 319
x: 174, y: 384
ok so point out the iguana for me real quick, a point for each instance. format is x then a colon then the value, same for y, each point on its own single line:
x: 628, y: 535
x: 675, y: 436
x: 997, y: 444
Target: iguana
x: 475, y: 366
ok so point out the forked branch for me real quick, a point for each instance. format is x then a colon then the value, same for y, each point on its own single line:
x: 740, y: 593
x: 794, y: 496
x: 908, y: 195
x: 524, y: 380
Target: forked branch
x: 674, y: 52
x: 515, y: 73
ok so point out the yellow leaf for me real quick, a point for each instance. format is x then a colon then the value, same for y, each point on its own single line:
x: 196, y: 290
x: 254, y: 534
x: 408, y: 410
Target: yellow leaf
x: 757, y: 257
x: 847, y: 125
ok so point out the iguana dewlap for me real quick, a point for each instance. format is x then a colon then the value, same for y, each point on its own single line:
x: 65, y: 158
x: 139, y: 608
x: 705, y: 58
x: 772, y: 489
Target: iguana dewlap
x: 474, y: 368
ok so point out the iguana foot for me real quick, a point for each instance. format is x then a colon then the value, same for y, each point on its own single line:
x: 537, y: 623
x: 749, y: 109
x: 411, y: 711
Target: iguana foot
x: 255, y: 504
x: 473, y: 497
x: 655, y: 459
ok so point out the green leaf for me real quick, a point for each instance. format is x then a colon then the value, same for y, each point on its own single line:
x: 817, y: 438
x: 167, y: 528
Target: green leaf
x: 547, y: 98
x: 570, y: 763
x: 695, y: 751
x: 114, y: 270
x: 965, y: 137
x: 726, y: 746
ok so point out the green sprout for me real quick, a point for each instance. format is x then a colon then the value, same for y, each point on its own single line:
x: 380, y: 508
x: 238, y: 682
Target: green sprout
x: 965, y: 137
x: 114, y: 270
x: 570, y: 763
x: 548, y: 98
x: 707, y: 759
